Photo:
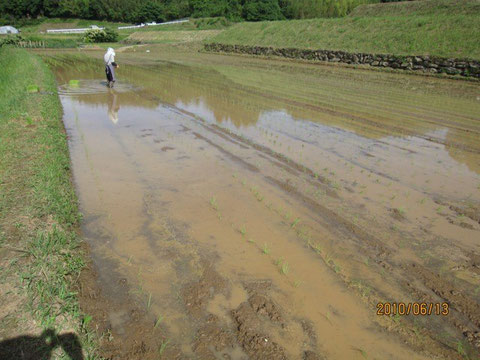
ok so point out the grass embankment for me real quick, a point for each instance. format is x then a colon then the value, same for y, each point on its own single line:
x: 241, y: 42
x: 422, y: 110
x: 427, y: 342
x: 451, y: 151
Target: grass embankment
x: 40, y: 258
x: 447, y: 28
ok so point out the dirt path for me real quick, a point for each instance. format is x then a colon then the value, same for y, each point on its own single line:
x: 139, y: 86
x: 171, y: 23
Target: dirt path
x: 234, y: 212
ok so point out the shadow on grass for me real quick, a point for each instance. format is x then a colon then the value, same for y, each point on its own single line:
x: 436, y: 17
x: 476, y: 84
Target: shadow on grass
x: 41, y: 347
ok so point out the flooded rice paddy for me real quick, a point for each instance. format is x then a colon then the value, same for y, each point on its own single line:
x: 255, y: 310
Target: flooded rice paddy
x: 241, y: 208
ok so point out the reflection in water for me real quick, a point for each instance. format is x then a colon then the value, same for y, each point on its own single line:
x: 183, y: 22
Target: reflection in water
x: 113, y: 106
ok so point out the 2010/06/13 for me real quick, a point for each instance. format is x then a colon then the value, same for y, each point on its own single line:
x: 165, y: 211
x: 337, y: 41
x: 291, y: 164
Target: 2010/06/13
x: 415, y: 308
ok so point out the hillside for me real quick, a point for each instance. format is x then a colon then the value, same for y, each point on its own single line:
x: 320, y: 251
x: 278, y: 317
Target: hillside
x: 441, y: 28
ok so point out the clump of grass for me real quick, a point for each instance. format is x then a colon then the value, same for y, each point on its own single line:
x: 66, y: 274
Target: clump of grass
x: 32, y: 88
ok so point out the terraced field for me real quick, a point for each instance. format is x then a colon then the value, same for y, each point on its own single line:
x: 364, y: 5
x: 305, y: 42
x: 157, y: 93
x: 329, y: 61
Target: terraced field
x: 253, y: 209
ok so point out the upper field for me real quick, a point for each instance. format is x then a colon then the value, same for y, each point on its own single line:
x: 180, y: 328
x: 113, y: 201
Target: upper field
x: 441, y: 28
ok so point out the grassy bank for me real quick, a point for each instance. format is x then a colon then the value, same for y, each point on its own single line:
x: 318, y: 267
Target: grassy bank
x: 443, y: 28
x: 40, y: 257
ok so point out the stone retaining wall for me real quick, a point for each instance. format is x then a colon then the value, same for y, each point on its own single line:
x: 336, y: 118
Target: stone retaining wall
x: 424, y: 63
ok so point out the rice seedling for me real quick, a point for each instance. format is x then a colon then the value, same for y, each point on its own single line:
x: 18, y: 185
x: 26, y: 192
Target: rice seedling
x: 243, y: 230
x: 337, y: 268
x: 266, y: 249
x: 328, y: 317
x: 278, y: 261
x: 213, y: 203
x: 162, y: 347
x: 285, y: 268
x: 295, y: 222
x: 297, y: 283
x: 158, y: 321
x: 316, y: 247
x: 363, y: 353
x: 149, y: 301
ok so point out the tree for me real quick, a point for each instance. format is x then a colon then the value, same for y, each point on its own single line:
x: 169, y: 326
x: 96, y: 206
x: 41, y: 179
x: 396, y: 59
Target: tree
x: 261, y: 10
x: 149, y: 12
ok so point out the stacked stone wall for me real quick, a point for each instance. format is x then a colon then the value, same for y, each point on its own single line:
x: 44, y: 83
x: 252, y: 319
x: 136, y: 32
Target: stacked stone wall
x: 423, y: 63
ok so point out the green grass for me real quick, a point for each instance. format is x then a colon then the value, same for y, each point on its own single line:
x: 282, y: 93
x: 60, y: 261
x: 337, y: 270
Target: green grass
x: 40, y: 258
x: 430, y: 29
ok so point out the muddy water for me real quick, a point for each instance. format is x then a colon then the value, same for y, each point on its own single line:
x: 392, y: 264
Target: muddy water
x: 260, y: 209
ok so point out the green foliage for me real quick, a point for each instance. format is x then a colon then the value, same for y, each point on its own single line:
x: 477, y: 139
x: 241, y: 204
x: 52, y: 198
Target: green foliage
x: 100, y: 35
x: 137, y: 11
x: 215, y: 8
x: 306, y: 9
x: 151, y: 11
x: 261, y: 10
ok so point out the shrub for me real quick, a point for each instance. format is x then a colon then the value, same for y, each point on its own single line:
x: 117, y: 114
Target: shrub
x: 100, y: 35
x: 11, y: 40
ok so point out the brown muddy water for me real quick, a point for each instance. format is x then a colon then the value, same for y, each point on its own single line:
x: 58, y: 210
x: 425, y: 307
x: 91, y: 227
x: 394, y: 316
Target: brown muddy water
x: 259, y: 209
